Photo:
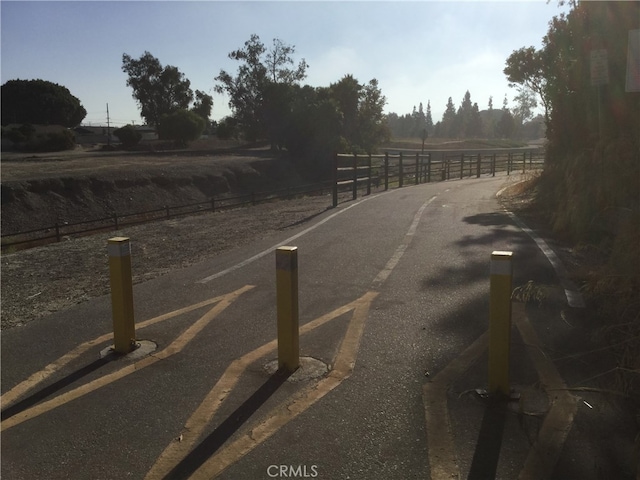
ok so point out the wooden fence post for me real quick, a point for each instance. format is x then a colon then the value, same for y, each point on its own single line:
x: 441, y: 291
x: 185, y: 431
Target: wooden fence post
x: 386, y: 171
x: 369, y: 175
x: 417, y: 168
x: 461, y: 166
x: 493, y: 165
x: 429, y: 168
x: 524, y: 162
x: 355, y: 176
x: 401, y: 172
x: 335, y: 181
x: 509, y: 163
x: 478, y: 167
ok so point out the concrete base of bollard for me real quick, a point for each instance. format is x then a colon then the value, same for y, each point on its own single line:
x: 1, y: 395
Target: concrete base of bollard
x: 310, y: 368
x: 144, y: 348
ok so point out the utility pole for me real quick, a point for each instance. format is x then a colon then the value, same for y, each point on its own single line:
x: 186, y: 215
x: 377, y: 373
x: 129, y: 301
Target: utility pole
x: 108, y: 128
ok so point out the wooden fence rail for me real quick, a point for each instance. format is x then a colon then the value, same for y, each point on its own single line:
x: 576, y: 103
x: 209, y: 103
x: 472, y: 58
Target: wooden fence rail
x: 58, y: 231
x: 354, y: 171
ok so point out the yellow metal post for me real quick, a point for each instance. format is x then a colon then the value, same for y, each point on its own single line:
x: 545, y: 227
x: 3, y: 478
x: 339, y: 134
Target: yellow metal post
x: 287, y: 302
x: 124, y: 333
x: 500, y: 322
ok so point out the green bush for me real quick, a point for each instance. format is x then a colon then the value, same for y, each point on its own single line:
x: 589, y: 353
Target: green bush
x: 181, y: 126
x: 20, y: 134
x: 128, y: 136
x: 52, y: 142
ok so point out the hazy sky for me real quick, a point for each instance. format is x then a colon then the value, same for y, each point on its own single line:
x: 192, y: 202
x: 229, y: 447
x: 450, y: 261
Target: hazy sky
x: 418, y: 51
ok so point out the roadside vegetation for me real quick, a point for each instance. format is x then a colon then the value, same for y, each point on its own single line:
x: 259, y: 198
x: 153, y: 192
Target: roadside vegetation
x: 590, y: 187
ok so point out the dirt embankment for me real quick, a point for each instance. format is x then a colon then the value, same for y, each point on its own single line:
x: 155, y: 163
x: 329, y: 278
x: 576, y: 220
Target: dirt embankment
x: 41, y: 191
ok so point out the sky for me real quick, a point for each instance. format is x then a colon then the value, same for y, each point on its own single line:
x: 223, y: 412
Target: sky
x: 419, y: 51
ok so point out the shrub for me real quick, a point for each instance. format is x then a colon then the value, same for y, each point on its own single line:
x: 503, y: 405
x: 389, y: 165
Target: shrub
x: 52, y: 142
x: 181, y: 126
x: 128, y: 136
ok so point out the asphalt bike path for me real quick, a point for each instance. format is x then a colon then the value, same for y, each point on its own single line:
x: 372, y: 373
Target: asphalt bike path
x: 393, y: 289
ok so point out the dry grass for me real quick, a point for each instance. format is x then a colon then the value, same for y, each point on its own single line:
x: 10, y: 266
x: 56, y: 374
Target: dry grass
x: 592, y: 200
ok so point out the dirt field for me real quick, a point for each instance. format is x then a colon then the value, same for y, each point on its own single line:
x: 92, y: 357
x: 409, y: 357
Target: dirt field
x: 42, y: 190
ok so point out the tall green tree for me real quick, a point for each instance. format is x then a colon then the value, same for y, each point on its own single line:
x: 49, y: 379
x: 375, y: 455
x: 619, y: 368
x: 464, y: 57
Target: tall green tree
x: 158, y: 90
x: 202, y: 105
x: 258, y: 69
x: 525, y: 104
x: 447, y: 126
x: 506, y: 125
x: 364, y: 126
x: 40, y: 102
x: 528, y: 67
x: 429, y: 119
x: 373, y: 128
x: 346, y: 92
x: 474, y: 126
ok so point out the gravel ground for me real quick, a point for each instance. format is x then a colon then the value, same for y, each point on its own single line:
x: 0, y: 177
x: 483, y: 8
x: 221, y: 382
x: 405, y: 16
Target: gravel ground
x: 43, y: 280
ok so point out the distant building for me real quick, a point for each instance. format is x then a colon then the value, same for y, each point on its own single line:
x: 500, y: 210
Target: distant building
x: 93, y: 135
x: 98, y: 134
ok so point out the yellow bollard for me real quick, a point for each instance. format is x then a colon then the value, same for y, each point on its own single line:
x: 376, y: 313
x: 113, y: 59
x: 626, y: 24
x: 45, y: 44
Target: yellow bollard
x: 124, y: 334
x: 500, y: 322
x: 287, y: 302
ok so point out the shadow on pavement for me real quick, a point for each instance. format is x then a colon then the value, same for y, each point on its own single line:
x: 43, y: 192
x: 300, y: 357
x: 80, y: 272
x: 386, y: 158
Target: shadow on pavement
x: 40, y: 395
x: 485, y: 459
x: 492, y: 219
x: 226, y: 429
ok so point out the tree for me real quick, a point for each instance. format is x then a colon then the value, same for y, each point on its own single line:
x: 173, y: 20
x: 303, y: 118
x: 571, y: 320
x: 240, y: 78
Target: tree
x: 202, y: 105
x: 448, y: 118
x: 158, y: 90
x: 527, y: 67
x: 227, y: 128
x: 419, y: 121
x: 40, y: 102
x: 247, y: 88
x: 346, y: 93
x: 181, y: 126
x: 525, y: 104
x: 277, y: 60
x: 474, y: 127
x: 429, y: 119
x: 128, y: 135
x: 490, y: 122
x: 506, y: 125
x: 464, y: 116
x: 372, y: 127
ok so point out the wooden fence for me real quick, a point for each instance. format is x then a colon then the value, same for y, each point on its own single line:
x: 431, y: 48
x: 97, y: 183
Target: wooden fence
x: 356, y: 172
x: 350, y: 174
x: 57, y: 232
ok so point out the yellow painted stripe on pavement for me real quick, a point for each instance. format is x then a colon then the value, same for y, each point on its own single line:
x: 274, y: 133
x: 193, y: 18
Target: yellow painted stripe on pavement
x: 175, y: 347
x: 38, y: 377
x: 203, y: 415
x: 288, y: 410
x: 546, y: 450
